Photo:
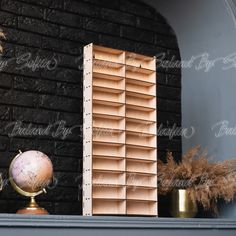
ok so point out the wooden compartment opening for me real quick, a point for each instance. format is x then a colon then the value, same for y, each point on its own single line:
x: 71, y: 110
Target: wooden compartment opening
x: 142, y: 87
x: 106, y: 81
x: 108, y: 163
x: 108, y: 136
x: 108, y: 178
x: 140, y: 114
x: 108, y: 68
x: 141, y: 208
x: 141, y: 126
x: 142, y: 100
x: 109, y: 207
x: 140, y: 74
x: 140, y: 61
x: 108, y: 54
x: 137, y: 193
x: 100, y: 192
x: 109, y: 123
x: 110, y: 150
x: 140, y: 139
x: 141, y: 166
x: 110, y: 109
x: 141, y: 153
x: 108, y: 94
x: 141, y: 180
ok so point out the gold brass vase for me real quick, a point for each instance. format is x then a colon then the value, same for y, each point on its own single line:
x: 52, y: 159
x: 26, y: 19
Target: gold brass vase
x: 181, y: 205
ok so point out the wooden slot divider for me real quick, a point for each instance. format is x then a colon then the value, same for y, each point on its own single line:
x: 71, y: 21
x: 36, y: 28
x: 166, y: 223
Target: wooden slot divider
x: 107, y: 103
x: 141, y: 121
x: 139, y: 82
x: 107, y: 89
x: 107, y: 116
x: 149, y: 111
x: 106, y: 129
x: 109, y: 99
x: 140, y: 134
x: 140, y: 95
x: 139, y: 70
x: 107, y: 77
x: 108, y: 171
x: 109, y: 157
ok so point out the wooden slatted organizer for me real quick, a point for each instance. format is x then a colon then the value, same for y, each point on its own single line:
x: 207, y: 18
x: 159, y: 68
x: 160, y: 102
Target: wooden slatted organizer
x: 119, y: 133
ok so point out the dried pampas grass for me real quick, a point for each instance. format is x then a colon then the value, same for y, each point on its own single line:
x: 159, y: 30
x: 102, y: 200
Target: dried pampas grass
x: 205, y: 181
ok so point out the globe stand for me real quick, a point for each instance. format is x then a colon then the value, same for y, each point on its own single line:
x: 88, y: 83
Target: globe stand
x: 33, y: 209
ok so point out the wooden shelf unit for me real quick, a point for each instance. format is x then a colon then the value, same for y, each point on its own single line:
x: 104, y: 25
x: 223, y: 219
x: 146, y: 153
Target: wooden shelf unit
x: 119, y: 133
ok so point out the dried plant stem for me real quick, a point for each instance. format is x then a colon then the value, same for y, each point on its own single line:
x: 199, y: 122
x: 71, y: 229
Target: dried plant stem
x: 205, y: 181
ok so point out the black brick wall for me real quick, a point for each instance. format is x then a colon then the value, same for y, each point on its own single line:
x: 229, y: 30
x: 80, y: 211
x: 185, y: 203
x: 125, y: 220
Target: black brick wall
x: 59, y: 29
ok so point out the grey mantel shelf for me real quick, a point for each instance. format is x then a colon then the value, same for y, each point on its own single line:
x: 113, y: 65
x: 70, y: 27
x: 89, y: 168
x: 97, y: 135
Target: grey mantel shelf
x: 61, y: 221
x: 58, y: 225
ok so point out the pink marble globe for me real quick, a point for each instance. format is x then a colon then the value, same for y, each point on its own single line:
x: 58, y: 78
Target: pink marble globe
x: 31, y: 171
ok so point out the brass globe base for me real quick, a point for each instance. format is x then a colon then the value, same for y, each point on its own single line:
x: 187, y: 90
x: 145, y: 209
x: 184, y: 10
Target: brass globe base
x: 33, y: 209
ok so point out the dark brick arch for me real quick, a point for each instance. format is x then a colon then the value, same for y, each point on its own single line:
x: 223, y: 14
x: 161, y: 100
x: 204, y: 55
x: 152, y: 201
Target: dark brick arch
x: 60, y: 29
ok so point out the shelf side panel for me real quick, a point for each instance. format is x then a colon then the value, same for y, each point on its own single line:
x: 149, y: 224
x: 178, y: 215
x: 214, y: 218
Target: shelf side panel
x: 87, y: 130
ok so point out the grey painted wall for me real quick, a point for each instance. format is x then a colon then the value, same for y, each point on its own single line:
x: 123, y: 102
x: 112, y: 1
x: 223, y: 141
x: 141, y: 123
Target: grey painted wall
x: 206, y: 26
